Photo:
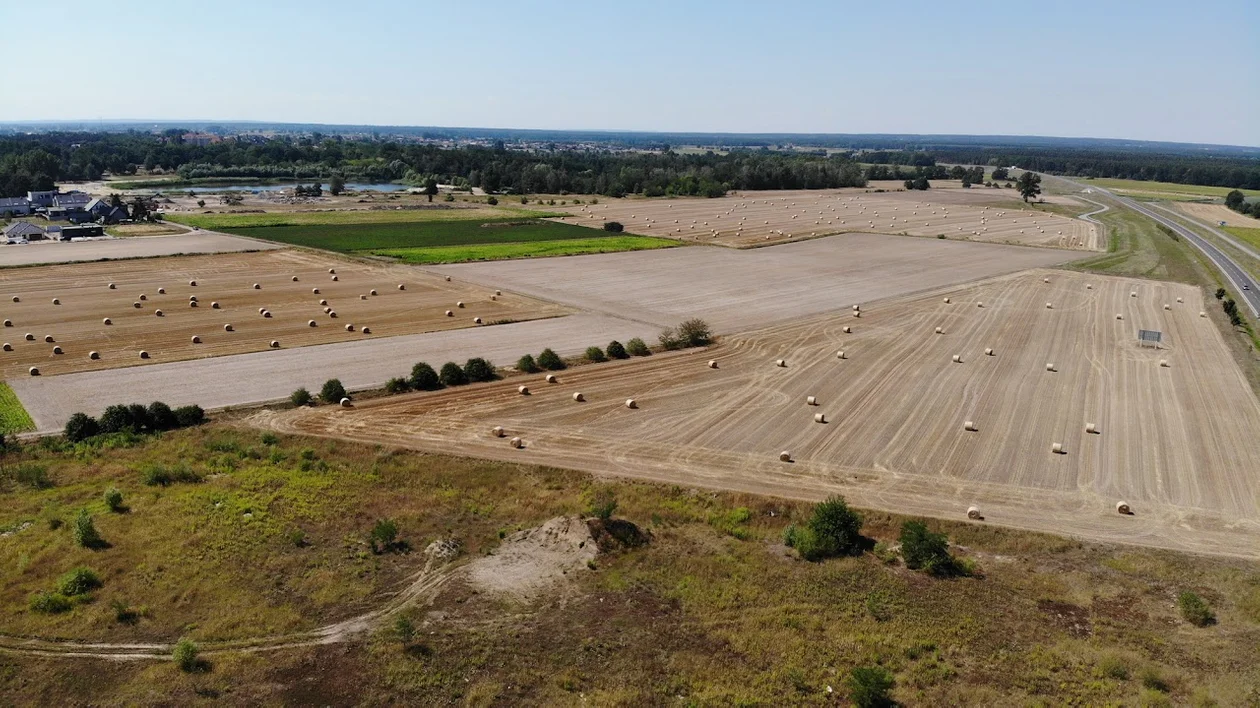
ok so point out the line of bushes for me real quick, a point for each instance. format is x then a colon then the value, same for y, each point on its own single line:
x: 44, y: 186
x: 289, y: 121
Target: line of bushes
x: 134, y: 418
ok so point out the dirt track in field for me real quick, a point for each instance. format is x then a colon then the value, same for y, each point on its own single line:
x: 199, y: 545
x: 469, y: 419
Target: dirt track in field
x: 77, y: 324
x: 139, y: 247
x: 1175, y: 442
x: 738, y: 290
x: 749, y: 219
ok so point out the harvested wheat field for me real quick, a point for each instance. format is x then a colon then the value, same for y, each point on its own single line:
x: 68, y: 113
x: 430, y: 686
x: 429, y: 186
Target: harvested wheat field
x: 148, y: 315
x: 899, y: 423
x: 751, y: 219
x: 41, y: 252
x: 1216, y: 213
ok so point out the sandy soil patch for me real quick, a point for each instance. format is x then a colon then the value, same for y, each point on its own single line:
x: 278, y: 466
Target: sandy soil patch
x: 137, y: 230
x: 1176, y: 442
x: 77, y: 323
x: 535, y: 559
x: 1216, y: 213
x: 78, y: 251
x: 748, y: 219
x: 738, y: 290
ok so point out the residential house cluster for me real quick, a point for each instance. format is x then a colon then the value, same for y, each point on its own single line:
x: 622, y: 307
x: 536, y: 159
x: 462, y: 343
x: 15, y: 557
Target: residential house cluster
x: 55, y: 205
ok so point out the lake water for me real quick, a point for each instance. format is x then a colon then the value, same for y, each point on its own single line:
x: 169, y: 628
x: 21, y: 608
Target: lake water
x: 355, y: 186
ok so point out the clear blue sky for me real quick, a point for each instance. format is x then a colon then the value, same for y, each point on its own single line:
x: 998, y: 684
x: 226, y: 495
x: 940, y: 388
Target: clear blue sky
x: 1183, y: 71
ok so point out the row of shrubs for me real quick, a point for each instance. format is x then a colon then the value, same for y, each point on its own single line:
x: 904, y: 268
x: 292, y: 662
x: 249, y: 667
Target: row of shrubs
x: 134, y: 418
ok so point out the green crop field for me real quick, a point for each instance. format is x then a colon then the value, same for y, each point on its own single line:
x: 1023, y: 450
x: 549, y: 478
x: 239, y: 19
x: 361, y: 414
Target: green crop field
x: 230, y: 222
x: 349, y: 237
x: 13, y: 417
x: 1164, y: 190
x: 535, y: 249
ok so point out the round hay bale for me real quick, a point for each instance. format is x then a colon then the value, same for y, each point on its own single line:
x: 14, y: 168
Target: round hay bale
x: 780, y: 363
x: 988, y: 351
x: 56, y: 350
x: 1202, y: 313
x: 295, y: 278
x: 192, y: 303
x: 1049, y: 366
x: 811, y: 400
x: 841, y: 354
x: 1044, y: 280
x: 332, y: 314
x: 847, y: 329
x: 969, y: 425
x: 350, y: 328
x: 275, y: 344
x: 631, y: 403
x: 494, y: 297
x: 214, y: 305
x: 30, y: 337
x: 448, y: 278
x: 1163, y: 363
x: 144, y: 354
x: 267, y: 314
x: 8, y: 347
x: 940, y: 331
x: 476, y: 320
x: 957, y: 359
x: 112, y: 286
x: 973, y: 513
x: 1167, y: 306
x: 262, y: 310
x: 335, y: 279
x: 332, y: 271
x: 136, y: 305
x: 1049, y: 306
x: 1122, y: 507
x: 158, y: 313
x: 16, y: 298
x: 366, y: 330
x: 820, y: 418
x: 363, y: 297
x: 323, y: 302
x: 857, y: 308
x: 979, y: 304
x: 257, y: 286
x: 34, y: 371
x: 1119, y: 316
x: 713, y: 364
x: 579, y: 397
x: 143, y: 297
x: 551, y: 378
x: 312, y: 323
x: 192, y: 298
x: 497, y: 431
x: 946, y: 301
x: 192, y: 283
x: 345, y: 402
x: 785, y: 456
x: 227, y: 328
x: 517, y: 443
x: 1089, y: 287
x: 500, y: 292
x: 107, y: 321
x: 161, y: 291
x: 1057, y: 448
x: 402, y: 286
x: 1180, y: 300
x: 196, y: 339
x: 94, y: 355
x: 857, y: 314
x: 8, y: 323
x: 523, y: 390
x: 1091, y: 428
x: 460, y: 304
x: 450, y: 314
x: 314, y: 291
x: 372, y: 293
x: 56, y: 301
x: 1132, y: 294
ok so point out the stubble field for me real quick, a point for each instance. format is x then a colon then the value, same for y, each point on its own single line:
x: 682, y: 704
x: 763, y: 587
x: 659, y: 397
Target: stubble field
x: 1175, y: 442
x: 750, y: 219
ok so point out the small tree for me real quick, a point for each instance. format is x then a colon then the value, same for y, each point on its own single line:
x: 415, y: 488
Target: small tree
x: 79, y: 581
x: 1235, y: 199
x: 670, y: 340
x: 1195, y: 609
x: 424, y: 378
x: 695, y: 332
x: 1220, y: 293
x: 185, y: 655
x: 188, y: 416
x: 615, y: 350
x: 550, y: 361
x: 85, y: 533
x: 637, y: 347
x: 336, y: 184
x: 1029, y: 184
x: 452, y: 375
x: 595, y: 354
x: 397, y: 385
x: 116, y: 419
x: 430, y: 188
x: 492, y: 201
x: 837, y: 529
x: 478, y: 369
x: 201, y: 203
x: 527, y: 364
x: 603, y: 505
x: 869, y: 687
x: 332, y: 391
x: 300, y: 397
x: 161, y: 417
x: 80, y: 427
x: 924, y: 550
x: 383, y: 536
x: 615, y: 227
x: 404, y: 630
x: 114, y: 500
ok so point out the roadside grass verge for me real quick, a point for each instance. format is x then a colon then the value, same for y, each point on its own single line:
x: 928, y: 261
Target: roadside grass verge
x: 1165, y: 190
x: 1139, y: 249
x: 1247, y: 235
x: 536, y: 249
x: 436, y: 212
x: 13, y: 416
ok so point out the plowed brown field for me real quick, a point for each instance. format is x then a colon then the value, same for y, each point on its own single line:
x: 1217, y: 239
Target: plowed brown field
x: 762, y: 218
x: 77, y: 323
x: 1176, y: 442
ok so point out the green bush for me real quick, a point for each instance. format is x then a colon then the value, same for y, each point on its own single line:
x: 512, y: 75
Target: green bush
x: 269, y: 439
x: 155, y: 475
x: 32, y: 475
x: 834, y: 529
x: 300, y: 397
x: 478, y: 369
x: 80, y: 427
x: 670, y: 340
x: 492, y: 201
x: 114, y: 500
x: 637, y: 347
x: 550, y: 361
x: 452, y: 375
x: 1195, y: 609
x: 603, y: 505
x: 188, y: 416
x: 332, y: 391
x: 79, y: 581
x: 85, y: 533
x: 595, y: 354
x: 925, y: 550
x: 116, y: 419
x: 614, y: 227
x: 384, y: 535
x: 527, y: 364
x: 397, y: 385
x: 615, y: 350
x: 140, y: 420
x: 50, y: 603
x: 695, y: 333
x: 185, y: 655
x: 424, y: 378
x: 161, y: 417
x: 869, y: 687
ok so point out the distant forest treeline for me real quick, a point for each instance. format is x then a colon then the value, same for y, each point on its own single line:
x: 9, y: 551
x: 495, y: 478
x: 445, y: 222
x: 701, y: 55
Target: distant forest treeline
x: 37, y: 161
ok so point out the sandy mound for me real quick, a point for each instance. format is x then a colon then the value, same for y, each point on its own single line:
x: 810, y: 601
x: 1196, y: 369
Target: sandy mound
x: 531, y: 560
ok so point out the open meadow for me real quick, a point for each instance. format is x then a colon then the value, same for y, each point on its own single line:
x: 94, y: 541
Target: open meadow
x: 1067, y: 417
x: 750, y: 219
x: 1164, y: 190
